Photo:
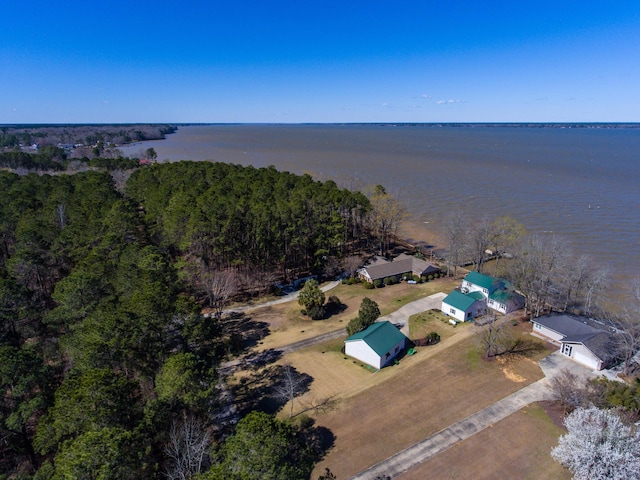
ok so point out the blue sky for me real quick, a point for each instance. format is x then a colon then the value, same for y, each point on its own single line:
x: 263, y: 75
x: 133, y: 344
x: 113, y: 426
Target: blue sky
x: 323, y: 61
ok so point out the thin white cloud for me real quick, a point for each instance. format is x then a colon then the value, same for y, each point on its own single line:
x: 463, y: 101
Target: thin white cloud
x: 425, y: 95
x: 446, y: 102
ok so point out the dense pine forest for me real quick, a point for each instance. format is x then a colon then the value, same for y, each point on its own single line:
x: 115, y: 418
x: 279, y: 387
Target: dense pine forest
x: 108, y: 368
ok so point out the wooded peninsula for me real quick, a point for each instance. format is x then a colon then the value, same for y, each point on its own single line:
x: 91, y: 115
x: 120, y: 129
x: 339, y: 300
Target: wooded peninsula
x: 109, y: 367
x: 102, y: 341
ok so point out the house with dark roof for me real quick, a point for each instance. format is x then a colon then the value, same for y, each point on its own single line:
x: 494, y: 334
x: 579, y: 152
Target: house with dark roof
x: 380, y: 268
x: 464, y: 306
x: 582, y: 339
x: 377, y: 345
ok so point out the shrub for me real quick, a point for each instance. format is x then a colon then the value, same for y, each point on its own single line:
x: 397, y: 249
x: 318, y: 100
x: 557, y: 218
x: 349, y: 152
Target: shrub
x: 334, y: 306
x: 316, y: 312
x: 392, y: 280
x: 430, y: 277
x: 368, y: 286
x: 378, y: 283
x: 423, y: 278
x: 433, y: 337
x: 416, y: 278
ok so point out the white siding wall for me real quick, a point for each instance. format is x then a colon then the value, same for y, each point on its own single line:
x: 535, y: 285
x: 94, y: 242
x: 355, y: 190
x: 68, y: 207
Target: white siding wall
x: 360, y: 350
x: 471, y: 287
x: 476, y: 309
x: 400, y: 345
x: 581, y: 354
x: 546, y: 332
x: 497, y: 306
x: 453, y: 312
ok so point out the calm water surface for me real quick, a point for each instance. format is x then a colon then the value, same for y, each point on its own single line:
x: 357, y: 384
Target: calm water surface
x: 580, y: 183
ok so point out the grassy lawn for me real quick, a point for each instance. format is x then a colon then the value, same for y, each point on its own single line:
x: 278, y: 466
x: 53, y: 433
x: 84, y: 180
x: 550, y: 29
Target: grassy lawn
x: 421, y: 324
x: 339, y: 377
x: 520, y: 443
x: 375, y: 414
x: 288, y: 325
x: 406, y: 403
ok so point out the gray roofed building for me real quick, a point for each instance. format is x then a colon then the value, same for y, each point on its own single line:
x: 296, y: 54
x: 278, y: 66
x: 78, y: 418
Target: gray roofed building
x: 379, y: 268
x: 585, y: 340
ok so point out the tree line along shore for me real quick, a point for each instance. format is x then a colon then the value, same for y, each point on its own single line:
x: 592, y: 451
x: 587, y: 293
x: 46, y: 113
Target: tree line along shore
x: 106, y: 361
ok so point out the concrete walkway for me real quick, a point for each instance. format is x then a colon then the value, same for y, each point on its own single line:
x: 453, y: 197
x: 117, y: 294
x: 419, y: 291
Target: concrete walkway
x: 426, y: 449
x: 446, y: 438
x: 401, y: 316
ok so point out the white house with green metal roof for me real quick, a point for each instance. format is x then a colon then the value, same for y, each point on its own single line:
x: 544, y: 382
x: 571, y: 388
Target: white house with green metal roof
x: 498, y: 293
x: 464, y: 306
x: 377, y: 345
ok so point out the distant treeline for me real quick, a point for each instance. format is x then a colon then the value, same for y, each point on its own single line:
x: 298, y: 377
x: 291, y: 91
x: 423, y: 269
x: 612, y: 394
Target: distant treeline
x: 88, y: 135
x: 54, y: 159
x: 107, y: 365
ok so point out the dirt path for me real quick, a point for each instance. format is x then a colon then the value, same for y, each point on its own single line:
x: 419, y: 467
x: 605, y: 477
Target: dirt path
x: 284, y: 299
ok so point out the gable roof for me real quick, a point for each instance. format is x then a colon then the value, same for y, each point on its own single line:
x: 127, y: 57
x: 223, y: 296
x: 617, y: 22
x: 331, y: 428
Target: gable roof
x: 484, y: 281
x: 503, y: 296
x: 381, y: 337
x: 402, y: 264
x: 462, y: 301
x: 593, y: 335
x: 570, y: 325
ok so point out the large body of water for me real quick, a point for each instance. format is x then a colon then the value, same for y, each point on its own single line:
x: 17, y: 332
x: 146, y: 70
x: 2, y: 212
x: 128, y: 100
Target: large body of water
x: 580, y: 183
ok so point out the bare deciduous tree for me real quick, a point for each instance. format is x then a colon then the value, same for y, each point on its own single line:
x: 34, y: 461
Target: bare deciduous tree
x: 454, y: 233
x: 596, y: 285
x: 386, y: 216
x: 569, y: 388
x: 351, y: 264
x: 187, y: 449
x: 219, y: 286
x: 493, y: 337
x: 291, y: 385
x: 628, y: 325
x: 536, y: 270
x: 505, y: 235
x: 479, y: 240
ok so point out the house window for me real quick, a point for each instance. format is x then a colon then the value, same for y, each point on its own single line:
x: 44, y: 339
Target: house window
x: 387, y: 355
x: 567, y: 349
x: 452, y: 311
x: 537, y: 326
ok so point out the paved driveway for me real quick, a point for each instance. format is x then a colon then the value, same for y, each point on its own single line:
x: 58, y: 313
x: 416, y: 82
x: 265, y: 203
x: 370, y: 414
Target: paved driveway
x: 447, y: 437
x: 401, y: 316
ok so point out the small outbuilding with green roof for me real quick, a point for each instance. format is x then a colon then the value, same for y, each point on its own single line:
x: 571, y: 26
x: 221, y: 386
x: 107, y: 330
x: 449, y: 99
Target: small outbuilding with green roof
x: 464, y: 307
x: 377, y: 345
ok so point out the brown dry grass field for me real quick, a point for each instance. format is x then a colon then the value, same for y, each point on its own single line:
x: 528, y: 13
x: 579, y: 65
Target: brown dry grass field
x: 415, y: 399
x: 287, y: 325
x: 519, y: 444
x: 375, y: 414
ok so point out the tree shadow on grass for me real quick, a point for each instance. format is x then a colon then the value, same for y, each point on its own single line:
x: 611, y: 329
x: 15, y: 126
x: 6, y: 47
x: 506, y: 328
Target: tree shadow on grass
x: 262, y: 386
x: 525, y: 347
x: 245, y: 332
x: 287, y: 386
